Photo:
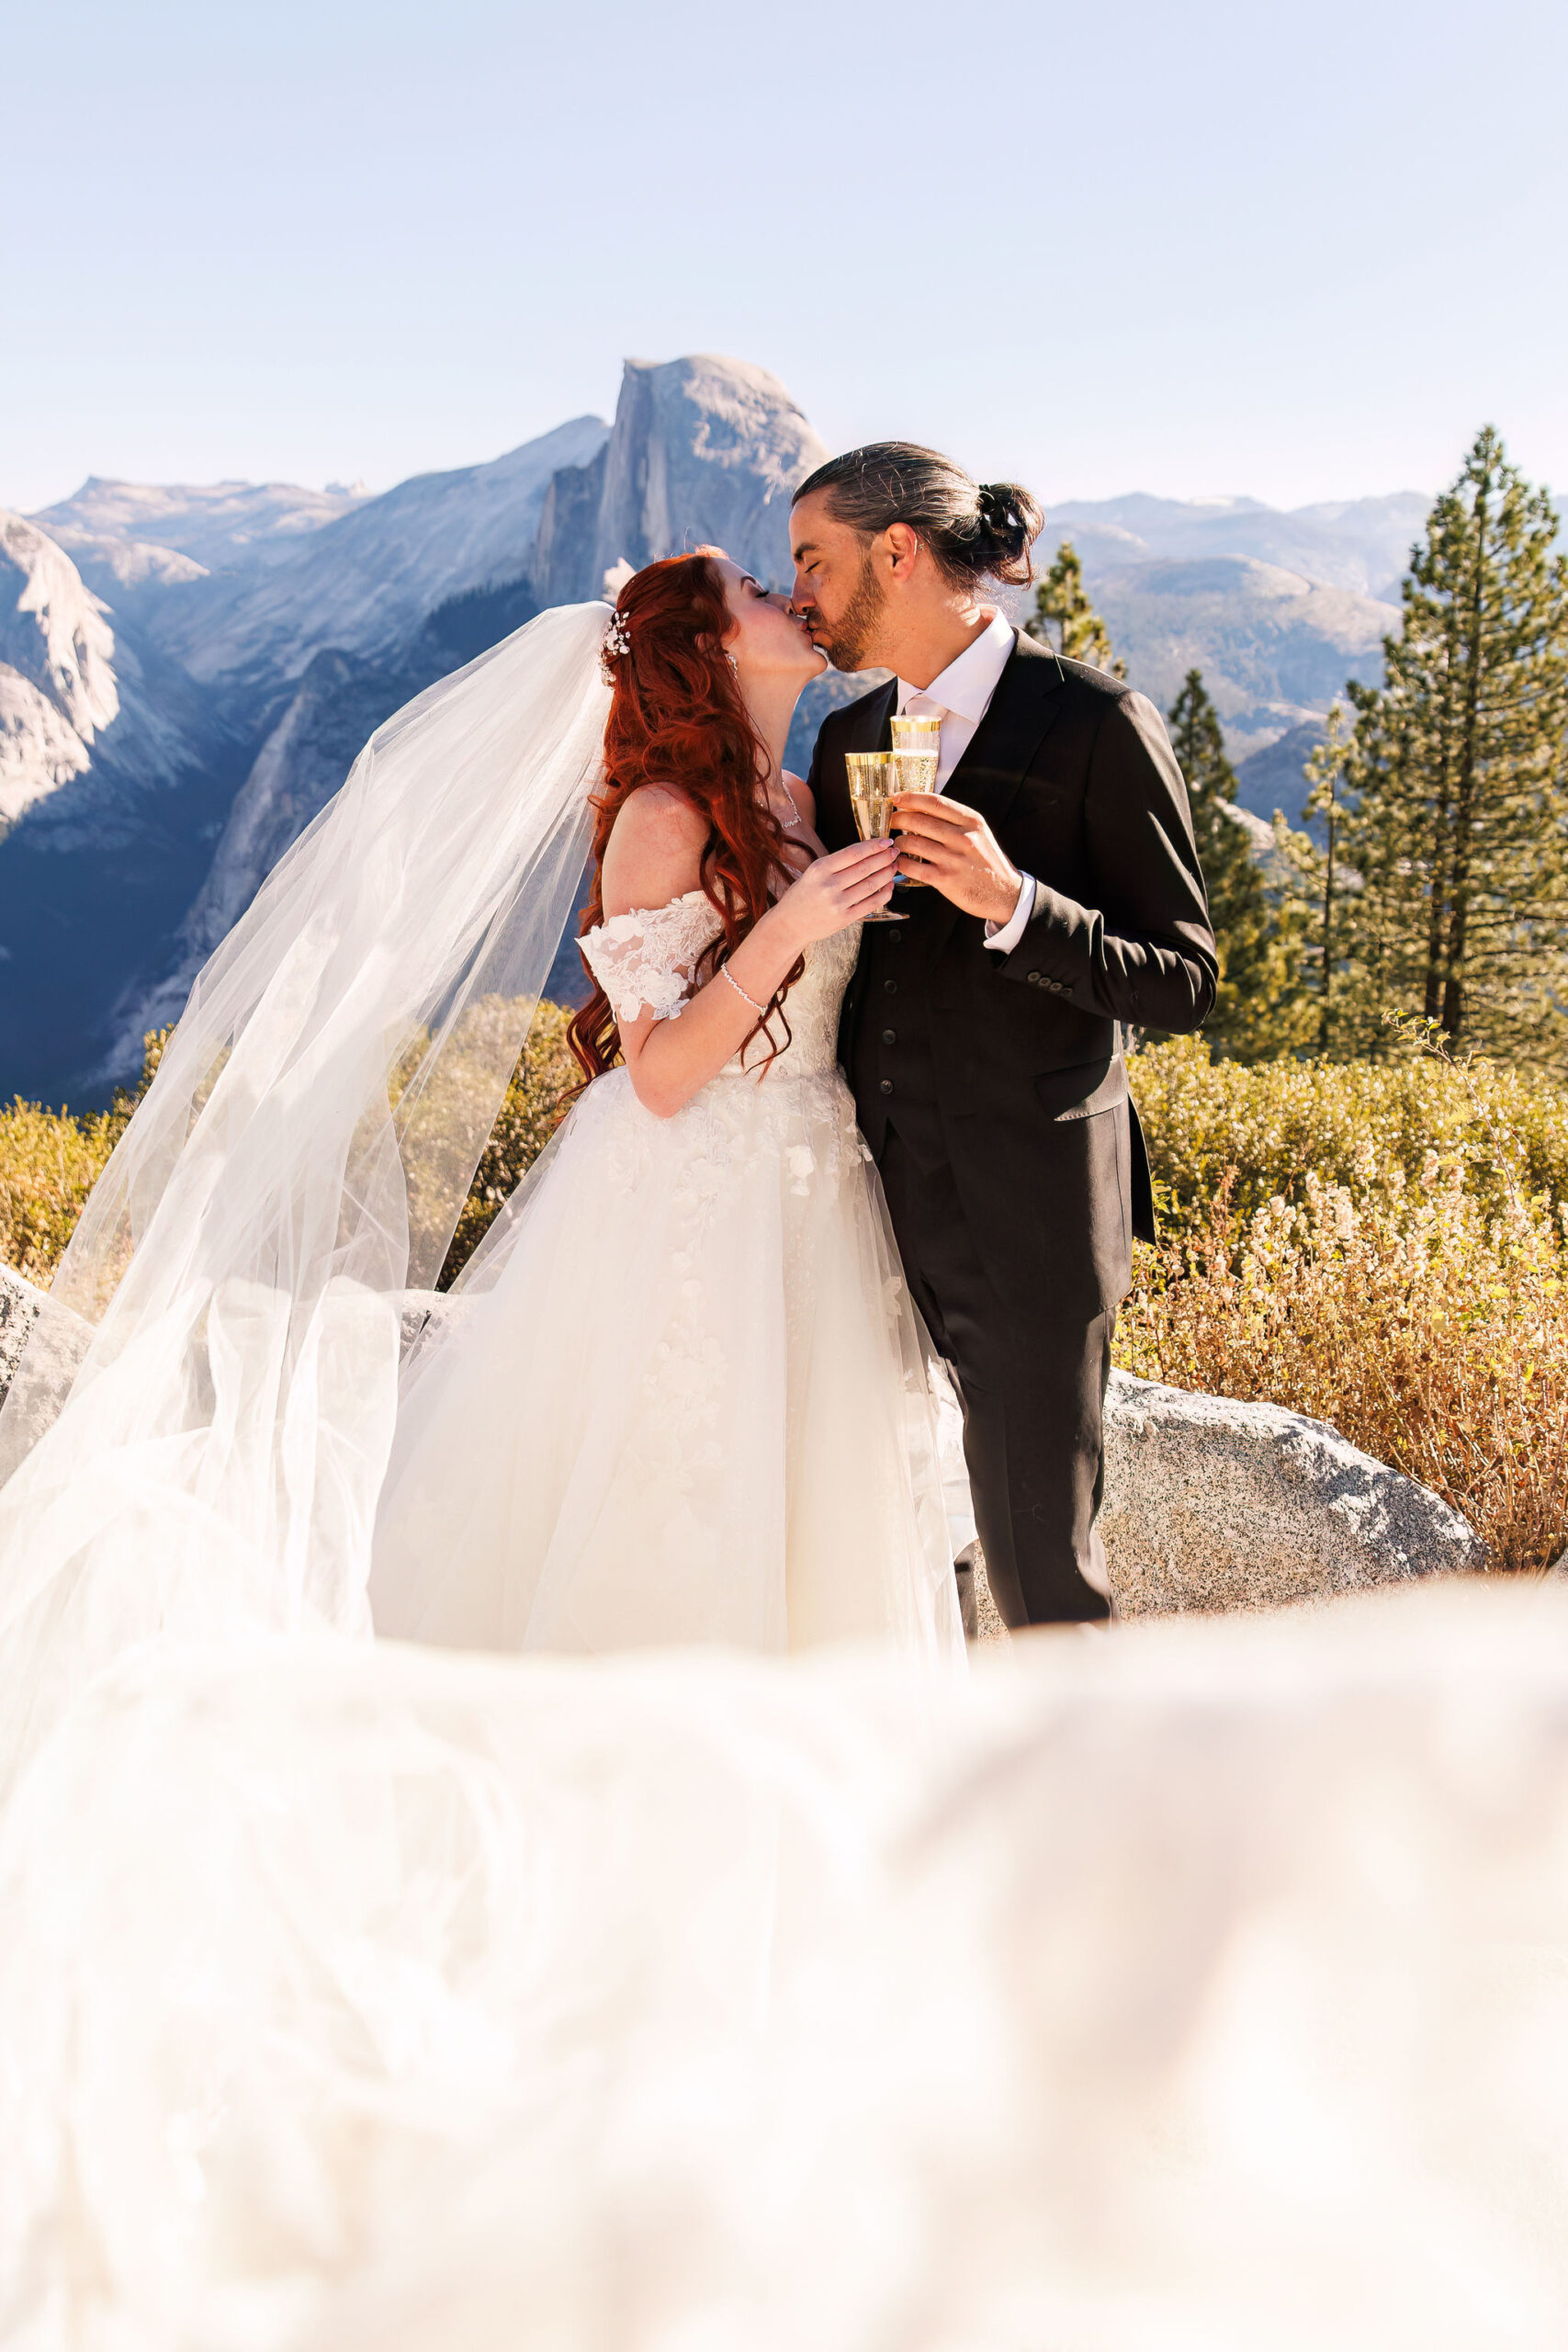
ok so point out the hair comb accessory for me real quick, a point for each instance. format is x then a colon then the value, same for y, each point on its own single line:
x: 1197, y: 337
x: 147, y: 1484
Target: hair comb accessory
x: 617, y: 637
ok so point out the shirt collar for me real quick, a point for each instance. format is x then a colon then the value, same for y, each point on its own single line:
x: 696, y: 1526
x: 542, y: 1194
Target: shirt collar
x: 967, y: 685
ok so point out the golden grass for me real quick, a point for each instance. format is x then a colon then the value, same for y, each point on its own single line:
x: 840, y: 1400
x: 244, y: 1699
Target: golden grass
x: 536, y: 1100
x: 1382, y: 1246
x: 49, y: 1163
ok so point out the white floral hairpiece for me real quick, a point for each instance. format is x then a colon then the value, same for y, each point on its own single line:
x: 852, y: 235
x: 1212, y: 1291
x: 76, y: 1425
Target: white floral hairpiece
x: 617, y: 638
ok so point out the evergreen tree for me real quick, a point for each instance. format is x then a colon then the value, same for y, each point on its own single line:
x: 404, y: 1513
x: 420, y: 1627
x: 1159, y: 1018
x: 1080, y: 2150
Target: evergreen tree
x: 1329, y: 880
x: 1460, y: 826
x: 1258, y: 1007
x: 1061, y: 602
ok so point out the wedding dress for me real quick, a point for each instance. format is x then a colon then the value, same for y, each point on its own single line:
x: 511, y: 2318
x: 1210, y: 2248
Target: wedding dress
x: 680, y: 1394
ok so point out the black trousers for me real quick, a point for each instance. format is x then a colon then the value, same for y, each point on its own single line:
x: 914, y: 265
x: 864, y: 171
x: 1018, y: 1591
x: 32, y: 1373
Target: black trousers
x: 1032, y: 1394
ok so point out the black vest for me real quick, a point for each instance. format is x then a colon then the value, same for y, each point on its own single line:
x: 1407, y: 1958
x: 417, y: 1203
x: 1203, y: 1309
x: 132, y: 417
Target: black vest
x: 892, y: 1071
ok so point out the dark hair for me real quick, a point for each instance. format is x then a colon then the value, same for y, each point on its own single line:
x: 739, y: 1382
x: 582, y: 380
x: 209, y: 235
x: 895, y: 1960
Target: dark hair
x: 975, y: 530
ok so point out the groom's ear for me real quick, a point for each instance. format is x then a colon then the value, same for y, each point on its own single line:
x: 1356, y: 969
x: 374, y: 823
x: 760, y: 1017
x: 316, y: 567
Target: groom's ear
x: 903, y: 546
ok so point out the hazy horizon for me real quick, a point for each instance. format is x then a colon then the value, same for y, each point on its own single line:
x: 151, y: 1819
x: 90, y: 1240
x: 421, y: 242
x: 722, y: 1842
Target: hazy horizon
x: 1065, y: 497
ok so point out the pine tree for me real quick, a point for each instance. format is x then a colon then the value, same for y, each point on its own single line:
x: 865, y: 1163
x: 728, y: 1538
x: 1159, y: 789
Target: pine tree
x: 1258, y: 1007
x: 1330, y: 880
x: 1460, y: 827
x: 1061, y: 601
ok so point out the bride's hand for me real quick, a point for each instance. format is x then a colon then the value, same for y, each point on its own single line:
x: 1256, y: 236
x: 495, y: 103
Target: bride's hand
x: 839, y: 889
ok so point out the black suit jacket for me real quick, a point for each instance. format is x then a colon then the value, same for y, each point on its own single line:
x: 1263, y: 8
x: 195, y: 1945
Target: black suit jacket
x: 1076, y: 776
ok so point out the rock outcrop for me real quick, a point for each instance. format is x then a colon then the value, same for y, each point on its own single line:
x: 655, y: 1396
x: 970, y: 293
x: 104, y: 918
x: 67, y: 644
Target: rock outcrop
x: 91, y: 717
x: 1214, y: 1505
x: 703, y: 451
x: 58, y: 1338
x: 57, y: 690
x: 20, y: 1301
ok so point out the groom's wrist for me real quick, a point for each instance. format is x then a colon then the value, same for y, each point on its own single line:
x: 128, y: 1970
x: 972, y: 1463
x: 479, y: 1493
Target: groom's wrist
x: 1003, y: 935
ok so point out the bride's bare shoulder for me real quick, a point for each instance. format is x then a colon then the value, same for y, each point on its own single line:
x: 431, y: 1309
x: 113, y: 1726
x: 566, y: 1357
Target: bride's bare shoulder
x: 655, y: 848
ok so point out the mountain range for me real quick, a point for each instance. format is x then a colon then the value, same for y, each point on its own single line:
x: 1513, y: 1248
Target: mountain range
x: 187, y: 674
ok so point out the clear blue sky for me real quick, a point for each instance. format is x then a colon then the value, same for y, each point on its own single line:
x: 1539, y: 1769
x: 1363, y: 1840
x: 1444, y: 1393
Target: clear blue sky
x: 1224, y: 246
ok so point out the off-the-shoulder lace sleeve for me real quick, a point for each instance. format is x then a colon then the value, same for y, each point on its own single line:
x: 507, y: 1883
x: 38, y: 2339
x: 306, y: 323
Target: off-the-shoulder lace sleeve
x: 644, y: 961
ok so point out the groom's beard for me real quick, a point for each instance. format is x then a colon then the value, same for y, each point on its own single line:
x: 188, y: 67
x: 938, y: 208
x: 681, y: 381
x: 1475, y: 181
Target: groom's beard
x: 854, y: 632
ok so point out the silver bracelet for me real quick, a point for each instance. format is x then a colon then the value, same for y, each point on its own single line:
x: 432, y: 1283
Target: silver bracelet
x: 726, y: 974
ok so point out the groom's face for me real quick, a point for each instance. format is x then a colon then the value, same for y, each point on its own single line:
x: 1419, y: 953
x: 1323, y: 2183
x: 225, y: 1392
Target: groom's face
x: 837, y: 590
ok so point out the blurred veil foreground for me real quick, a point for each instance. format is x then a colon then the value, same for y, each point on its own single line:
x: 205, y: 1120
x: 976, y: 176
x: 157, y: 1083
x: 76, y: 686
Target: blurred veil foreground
x: 1206, y: 1984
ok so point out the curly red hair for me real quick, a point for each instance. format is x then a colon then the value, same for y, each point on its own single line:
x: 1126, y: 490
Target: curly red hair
x: 677, y: 718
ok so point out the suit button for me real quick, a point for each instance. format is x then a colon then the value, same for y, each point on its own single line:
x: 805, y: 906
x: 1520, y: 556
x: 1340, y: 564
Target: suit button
x: 887, y: 1086
x: 890, y: 987
x: 890, y: 1036
x: 1034, y: 979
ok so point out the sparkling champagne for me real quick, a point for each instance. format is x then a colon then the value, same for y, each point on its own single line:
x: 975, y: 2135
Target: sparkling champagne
x: 914, y: 770
x: 917, y: 734
x: 871, y: 798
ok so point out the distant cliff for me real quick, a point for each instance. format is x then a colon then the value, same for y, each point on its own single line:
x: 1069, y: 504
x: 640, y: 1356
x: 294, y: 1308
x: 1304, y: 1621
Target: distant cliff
x: 186, y: 672
x: 702, y: 451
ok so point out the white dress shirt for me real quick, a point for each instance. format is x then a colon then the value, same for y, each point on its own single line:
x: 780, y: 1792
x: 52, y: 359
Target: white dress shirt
x: 959, y: 696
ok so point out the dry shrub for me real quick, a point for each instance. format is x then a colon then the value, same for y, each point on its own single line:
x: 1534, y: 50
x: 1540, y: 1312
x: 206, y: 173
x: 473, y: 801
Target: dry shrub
x: 50, y: 1161
x: 1272, y: 1120
x: 535, y: 1101
x: 49, y: 1164
x: 1422, y: 1309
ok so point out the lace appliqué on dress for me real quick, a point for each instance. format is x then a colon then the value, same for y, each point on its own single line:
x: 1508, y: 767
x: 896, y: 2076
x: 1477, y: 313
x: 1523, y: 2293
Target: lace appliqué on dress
x: 644, y: 961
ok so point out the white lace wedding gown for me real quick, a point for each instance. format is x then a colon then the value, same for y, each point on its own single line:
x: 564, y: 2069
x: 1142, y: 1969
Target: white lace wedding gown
x: 681, y: 1396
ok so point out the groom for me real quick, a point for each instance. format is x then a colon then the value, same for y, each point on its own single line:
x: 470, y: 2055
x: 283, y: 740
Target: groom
x: 982, y: 1037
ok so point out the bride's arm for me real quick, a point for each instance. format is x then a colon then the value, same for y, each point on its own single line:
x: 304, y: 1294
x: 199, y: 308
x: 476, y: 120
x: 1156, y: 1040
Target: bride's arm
x: 653, y: 855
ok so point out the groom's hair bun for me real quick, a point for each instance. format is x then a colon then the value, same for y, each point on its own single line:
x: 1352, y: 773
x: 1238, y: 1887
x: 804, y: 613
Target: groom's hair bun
x: 975, y: 530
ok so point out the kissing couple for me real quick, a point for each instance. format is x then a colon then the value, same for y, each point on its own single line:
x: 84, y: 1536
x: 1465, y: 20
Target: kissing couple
x: 679, y: 1394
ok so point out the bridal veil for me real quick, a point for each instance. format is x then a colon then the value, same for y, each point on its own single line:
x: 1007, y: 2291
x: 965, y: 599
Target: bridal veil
x: 197, y: 1433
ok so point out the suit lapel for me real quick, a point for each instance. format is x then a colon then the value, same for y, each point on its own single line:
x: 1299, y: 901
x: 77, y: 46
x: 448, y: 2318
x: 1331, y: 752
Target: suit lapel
x: 873, y: 730
x: 1017, y: 718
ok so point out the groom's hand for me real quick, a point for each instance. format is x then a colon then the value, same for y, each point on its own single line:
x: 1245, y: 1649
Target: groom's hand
x: 943, y: 842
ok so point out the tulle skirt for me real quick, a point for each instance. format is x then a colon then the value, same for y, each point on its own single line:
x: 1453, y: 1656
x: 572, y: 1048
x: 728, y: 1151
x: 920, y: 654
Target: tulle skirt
x: 681, y: 1398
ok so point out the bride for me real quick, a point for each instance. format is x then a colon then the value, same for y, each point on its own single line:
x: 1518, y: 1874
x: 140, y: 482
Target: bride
x: 679, y: 1394
x: 683, y: 1398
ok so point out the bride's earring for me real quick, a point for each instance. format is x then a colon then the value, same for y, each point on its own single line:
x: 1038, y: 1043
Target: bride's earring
x: 733, y: 663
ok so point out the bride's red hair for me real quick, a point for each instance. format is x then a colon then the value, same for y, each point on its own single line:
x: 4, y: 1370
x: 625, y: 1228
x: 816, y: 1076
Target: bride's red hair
x: 677, y: 718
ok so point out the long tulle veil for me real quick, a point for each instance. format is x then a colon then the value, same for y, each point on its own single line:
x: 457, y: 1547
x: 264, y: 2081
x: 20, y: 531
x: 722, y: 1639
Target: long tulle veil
x: 196, y: 1433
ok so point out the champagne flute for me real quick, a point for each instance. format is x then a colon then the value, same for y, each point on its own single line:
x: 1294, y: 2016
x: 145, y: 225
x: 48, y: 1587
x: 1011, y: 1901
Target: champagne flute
x: 917, y: 745
x: 870, y: 786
